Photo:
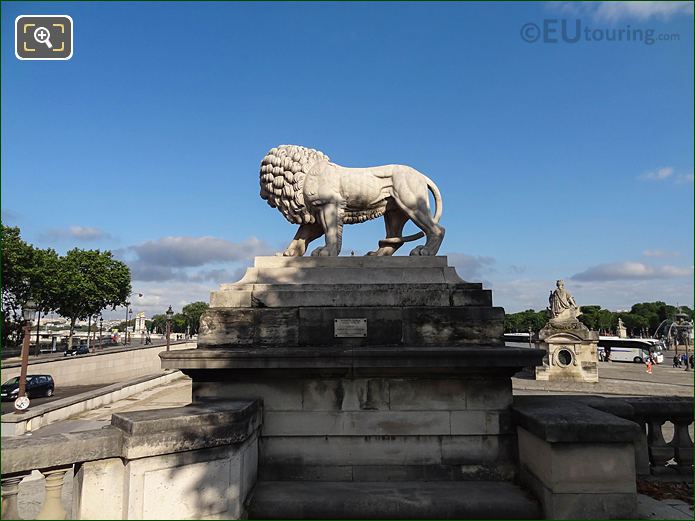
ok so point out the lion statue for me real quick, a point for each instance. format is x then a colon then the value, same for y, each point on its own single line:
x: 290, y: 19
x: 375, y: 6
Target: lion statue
x: 320, y: 196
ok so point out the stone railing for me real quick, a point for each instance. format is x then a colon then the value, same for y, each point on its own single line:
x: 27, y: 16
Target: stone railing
x: 180, y: 463
x: 653, y: 455
x: 581, y: 455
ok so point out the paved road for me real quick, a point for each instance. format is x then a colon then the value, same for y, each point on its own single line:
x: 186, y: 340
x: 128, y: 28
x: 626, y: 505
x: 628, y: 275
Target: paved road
x: 619, y: 378
x: 60, y: 392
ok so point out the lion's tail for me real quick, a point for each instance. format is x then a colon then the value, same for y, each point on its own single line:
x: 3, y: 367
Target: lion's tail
x: 437, y: 215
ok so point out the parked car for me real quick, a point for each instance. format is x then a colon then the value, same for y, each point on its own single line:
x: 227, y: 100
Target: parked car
x: 82, y: 350
x: 37, y: 385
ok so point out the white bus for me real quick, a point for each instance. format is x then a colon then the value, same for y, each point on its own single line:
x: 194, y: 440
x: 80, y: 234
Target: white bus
x: 629, y: 349
x: 516, y: 340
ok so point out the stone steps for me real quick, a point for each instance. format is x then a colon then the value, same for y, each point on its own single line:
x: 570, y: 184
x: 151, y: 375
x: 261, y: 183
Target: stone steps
x: 391, y: 500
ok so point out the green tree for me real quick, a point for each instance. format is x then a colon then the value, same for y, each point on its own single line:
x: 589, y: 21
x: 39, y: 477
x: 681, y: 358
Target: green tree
x: 192, y: 313
x: 159, y: 323
x: 26, y: 272
x: 90, y: 281
x: 524, y: 320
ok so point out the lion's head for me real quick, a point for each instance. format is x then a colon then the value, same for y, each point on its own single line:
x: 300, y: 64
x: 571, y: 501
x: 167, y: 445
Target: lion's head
x: 282, y: 178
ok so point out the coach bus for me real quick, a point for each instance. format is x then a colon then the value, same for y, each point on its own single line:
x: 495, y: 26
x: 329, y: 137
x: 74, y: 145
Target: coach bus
x: 629, y: 349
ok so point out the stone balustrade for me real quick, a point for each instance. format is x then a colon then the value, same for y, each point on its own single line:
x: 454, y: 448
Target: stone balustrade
x: 581, y: 455
x: 198, y: 461
x: 653, y: 454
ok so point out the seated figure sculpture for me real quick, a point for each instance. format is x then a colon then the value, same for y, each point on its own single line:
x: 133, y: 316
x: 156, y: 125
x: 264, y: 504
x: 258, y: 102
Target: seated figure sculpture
x: 321, y: 196
x: 563, y: 309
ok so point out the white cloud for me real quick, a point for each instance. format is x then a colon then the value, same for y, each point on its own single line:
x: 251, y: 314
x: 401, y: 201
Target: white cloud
x: 658, y: 175
x: 685, y: 178
x: 612, y: 12
x: 642, y: 11
x: 76, y: 233
x: 631, y: 271
x: 661, y: 254
x: 190, y: 259
x: 180, y: 252
x: 470, y: 267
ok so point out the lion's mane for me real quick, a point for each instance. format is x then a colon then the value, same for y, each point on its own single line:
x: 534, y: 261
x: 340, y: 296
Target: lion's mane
x: 283, y: 170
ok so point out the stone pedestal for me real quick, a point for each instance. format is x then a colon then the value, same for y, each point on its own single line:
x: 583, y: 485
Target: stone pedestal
x: 370, y: 369
x: 571, y: 353
x: 308, y: 301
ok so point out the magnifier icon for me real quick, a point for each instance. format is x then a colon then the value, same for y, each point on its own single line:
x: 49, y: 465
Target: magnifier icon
x: 43, y: 35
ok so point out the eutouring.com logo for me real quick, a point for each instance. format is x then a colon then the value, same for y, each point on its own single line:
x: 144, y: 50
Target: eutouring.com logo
x: 554, y: 30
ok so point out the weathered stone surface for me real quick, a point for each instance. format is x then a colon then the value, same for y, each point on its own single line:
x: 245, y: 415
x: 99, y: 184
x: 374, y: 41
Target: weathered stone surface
x: 358, y: 361
x: 155, y: 432
x: 29, y: 453
x: 566, y: 467
x: 392, y: 500
x: 557, y: 420
x: 351, y: 450
x: 406, y: 301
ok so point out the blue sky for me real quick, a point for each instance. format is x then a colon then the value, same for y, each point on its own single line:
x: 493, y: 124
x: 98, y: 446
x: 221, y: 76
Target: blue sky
x: 555, y: 160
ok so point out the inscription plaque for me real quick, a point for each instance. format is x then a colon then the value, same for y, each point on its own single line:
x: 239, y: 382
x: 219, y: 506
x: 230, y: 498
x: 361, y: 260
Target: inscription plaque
x: 350, y: 327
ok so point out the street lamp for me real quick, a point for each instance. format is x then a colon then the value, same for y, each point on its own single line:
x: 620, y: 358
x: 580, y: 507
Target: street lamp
x: 130, y: 317
x: 169, y: 314
x: 21, y: 404
x: 125, y: 333
x: 101, y: 327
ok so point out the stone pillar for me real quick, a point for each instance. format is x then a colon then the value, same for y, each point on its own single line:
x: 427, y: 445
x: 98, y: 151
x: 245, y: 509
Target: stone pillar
x: 98, y: 489
x: 53, y: 505
x: 10, y: 489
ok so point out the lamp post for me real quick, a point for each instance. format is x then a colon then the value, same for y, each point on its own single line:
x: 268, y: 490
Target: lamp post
x: 101, y: 327
x: 169, y: 314
x: 125, y: 333
x: 21, y: 404
x: 130, y: 317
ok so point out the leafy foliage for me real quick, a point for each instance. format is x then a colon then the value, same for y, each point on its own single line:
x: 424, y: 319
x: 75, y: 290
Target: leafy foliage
x: 644, y: 318
x: 90, y: 281
x: 77, y: 285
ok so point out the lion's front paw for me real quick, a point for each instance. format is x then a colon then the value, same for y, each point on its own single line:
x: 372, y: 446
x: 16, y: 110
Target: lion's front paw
x: 324, y: 251
x: 422, y: 251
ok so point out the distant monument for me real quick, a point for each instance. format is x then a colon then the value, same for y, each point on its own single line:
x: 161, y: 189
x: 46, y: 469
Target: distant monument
x: 570, y: 346
x: 321, y: 196
x: 622, y: 330
x: 563, y: 309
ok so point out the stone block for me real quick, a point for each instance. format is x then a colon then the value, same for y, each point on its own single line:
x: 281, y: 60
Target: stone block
x: 453, y: 325
x: 350, y: 450
x: 293, y: 472
x: 575, y: 468
x: 580, y: 505
x: 476, y: 422
x: 359, y: 423
x: 473, y: 450
x: 413, y: 394
x: 205, y: 483
x: 488, y: 394
x: 392, y: 500
x: 277, y: 395
x: 316, y: 326
x: 98, y: 489
x: 345, y: 394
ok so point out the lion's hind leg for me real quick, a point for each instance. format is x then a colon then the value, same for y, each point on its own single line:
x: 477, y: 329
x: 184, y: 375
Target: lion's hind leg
x: 412, y: 197
x: 394, y: 219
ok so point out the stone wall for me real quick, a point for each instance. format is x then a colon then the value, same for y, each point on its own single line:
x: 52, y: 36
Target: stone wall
x: 379, y: 429
x: 98, y: 368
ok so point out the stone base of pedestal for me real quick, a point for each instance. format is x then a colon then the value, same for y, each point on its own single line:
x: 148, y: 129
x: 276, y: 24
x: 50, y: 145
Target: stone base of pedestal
x: 570, y: 353
x: 370, y: 414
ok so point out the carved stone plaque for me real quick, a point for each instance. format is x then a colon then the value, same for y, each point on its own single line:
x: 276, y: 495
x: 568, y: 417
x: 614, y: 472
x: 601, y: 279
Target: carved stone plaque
x: 350, y: 327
